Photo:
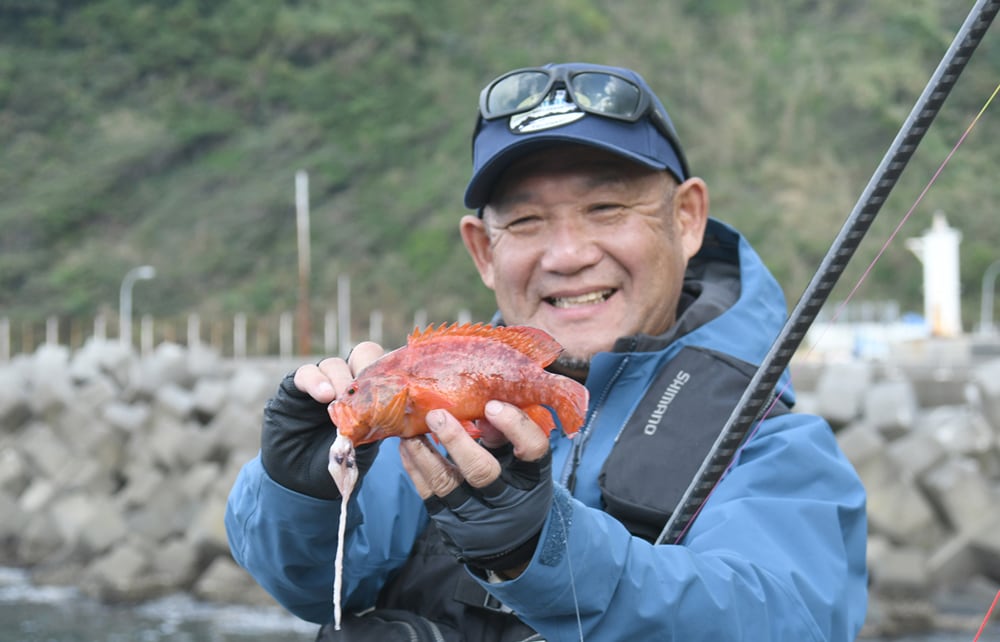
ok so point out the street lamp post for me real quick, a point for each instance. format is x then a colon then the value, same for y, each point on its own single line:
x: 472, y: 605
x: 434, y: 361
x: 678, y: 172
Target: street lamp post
x: 143, y: 272
x: 986, y: 302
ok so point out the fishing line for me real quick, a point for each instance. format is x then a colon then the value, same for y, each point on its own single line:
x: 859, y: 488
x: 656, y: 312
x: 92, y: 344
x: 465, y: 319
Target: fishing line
x: 906, y: 217
x: 569, y: 563
x: 843, y: 305
x: 987, y: 618
x: 760, y: 392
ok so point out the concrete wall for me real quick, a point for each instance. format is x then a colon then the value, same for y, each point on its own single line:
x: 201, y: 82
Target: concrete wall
x: 114, y: 470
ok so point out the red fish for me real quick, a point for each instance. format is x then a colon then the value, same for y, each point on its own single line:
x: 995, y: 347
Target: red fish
x: 458, y: 368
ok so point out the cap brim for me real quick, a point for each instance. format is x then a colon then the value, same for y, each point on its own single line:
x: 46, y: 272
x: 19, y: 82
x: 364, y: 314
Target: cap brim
x: 496, y: 148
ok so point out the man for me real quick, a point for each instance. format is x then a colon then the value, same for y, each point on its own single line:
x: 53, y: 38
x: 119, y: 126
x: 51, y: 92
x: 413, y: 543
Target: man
x: 590, y: 227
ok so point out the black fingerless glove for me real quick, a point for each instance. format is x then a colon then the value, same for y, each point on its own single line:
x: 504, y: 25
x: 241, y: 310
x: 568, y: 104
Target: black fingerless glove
x: 295, y: 443
x: 497, y: 527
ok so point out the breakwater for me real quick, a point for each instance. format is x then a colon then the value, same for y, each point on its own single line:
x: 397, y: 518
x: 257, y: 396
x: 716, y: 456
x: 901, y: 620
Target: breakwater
x: 114, y: 471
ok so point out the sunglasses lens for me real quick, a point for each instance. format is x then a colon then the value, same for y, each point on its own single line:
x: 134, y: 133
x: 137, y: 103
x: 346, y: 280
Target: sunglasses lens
x: 606, y: 94
x: 516, y: 92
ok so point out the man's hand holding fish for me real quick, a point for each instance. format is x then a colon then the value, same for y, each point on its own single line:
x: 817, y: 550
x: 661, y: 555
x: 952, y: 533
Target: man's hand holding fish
x: 489, y: 499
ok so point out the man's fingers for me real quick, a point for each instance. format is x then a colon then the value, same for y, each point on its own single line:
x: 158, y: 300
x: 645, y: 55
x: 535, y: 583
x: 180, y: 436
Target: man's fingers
x: 328, y: 379
x: 431, y: 473
x: 316, y: 382
x: 530, y: 442
x: 363, y: 355
x: 473, y: 461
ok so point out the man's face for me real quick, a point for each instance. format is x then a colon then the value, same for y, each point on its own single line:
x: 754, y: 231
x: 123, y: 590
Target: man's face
x: 587, y: 246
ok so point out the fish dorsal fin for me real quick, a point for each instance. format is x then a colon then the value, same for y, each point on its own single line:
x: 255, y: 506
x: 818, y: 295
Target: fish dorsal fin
x: 537, y: 345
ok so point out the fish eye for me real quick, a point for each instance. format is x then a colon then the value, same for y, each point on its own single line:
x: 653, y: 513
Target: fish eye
x: 353, y: 389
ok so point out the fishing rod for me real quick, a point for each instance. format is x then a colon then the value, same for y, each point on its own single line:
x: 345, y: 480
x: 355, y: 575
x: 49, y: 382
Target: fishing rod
x: 760, y: 390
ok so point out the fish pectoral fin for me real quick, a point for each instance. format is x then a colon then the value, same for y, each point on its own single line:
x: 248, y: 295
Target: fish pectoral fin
x: 472, y: 429
x: 541, y: 416
x: 397, y: 407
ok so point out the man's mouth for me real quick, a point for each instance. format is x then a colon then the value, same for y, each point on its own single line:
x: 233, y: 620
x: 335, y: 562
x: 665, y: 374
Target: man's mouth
x: 581, y: 299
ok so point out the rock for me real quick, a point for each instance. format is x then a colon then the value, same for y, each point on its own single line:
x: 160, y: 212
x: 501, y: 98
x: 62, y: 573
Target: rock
x: 14, y: 473
x: 841, y: 390
x: 92, y: 523
x: 251, y: 388
x: 10, y: 527
x: 128, y: 418
x: 176, y: 564
x: 174, y: 400
x: 121, y: 575
x: 961, y: 494
x: 954, y: 561
x: 986, y: 378
x: 224, y: 581
x: 47, y: 452
x: 891, y: 407
x: 210, y: 395
x: 236, y: 427
x: 896, y: 507
x: 175, y: 444
x: 960, y: 429
x: 916, y: 453
x: 168, y: 364
x: 986, y: 546
x: 50, y: 385
x: 39, y: 539
x: 14, y: 408
x: 901, y: 572
x: 939, y: 388
x: 207, y: 533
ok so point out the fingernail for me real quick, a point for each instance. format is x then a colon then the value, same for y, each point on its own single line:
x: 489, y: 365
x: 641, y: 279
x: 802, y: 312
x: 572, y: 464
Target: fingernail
x: 435, y: 420
x: 493, y: 407
x: 324, y: 389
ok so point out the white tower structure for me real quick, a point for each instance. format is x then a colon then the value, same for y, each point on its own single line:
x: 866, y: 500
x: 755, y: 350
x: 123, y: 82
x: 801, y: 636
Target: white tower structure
x: 937, y: 250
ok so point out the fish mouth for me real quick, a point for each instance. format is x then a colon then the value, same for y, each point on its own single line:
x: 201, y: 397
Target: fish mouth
x: 589, y: 298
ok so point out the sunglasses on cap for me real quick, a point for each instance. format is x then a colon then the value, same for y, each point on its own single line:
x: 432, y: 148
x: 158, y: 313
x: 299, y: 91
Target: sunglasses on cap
x: 595, y: 91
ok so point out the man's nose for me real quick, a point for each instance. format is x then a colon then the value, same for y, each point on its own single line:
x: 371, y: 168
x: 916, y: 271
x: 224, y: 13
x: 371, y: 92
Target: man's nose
x: 571, y: 246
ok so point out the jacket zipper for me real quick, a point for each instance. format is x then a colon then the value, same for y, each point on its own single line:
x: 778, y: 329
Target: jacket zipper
x: 576, y: 454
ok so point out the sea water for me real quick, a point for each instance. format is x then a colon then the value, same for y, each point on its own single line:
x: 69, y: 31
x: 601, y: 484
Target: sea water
x: 56, y: 614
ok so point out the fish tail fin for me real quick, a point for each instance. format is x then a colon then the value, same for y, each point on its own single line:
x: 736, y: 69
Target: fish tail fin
x: 541, y: 416
x: 570, y: 403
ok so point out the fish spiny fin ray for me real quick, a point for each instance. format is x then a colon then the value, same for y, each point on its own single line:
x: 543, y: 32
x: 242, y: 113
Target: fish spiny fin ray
x: 536, y: 344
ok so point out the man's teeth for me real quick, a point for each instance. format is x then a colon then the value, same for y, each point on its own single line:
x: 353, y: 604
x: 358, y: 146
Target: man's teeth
x: 582, y: 299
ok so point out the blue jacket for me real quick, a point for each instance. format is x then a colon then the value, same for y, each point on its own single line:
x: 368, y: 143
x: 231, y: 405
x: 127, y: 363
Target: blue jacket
x: 777, y: 553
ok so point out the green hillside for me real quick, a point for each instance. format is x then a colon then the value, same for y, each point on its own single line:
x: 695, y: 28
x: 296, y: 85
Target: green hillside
x: 169, y: 133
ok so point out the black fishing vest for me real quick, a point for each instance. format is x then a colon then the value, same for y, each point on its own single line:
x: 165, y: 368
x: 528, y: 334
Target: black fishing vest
x: 654, y: 458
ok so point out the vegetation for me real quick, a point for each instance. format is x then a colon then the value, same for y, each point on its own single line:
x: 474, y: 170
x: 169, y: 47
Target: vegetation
x: 168, y: 132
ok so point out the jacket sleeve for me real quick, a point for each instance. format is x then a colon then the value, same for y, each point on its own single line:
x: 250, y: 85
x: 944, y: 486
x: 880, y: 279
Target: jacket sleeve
x: 287, y: 541
x: 777, y: 553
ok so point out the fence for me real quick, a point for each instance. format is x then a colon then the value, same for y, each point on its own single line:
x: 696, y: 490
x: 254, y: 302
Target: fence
x: 240, y: 336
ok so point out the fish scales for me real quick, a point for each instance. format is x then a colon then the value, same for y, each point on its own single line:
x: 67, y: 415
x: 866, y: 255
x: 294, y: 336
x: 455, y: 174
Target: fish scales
x: 458, y: 368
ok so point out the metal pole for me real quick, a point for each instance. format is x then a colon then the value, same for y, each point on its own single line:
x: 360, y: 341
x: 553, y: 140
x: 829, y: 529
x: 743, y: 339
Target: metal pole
x: 302, y: 225
x: 760, y: 390
x: 144, y: 272
x: 344, y: 313
x: 986, y: 302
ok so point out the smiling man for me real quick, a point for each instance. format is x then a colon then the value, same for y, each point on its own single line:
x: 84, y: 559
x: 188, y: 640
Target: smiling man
x: 591, y: 227
x: 588, y: 247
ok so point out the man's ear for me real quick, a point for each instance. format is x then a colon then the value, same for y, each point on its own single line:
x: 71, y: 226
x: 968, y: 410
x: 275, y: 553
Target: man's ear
x: 477, y: 241
x: 691, y: 214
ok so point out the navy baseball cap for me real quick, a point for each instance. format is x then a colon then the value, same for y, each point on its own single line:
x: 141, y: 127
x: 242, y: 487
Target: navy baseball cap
x: 610, y: 108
